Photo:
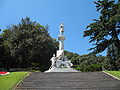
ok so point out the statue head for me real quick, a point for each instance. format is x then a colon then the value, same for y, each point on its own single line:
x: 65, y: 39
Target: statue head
x: 61, y: 28
x: 53, y: 55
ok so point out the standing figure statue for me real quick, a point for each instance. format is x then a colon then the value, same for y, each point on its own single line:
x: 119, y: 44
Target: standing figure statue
x: 53, y: 60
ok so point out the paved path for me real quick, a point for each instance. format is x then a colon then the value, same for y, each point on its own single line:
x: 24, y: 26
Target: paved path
x: 69, y: 81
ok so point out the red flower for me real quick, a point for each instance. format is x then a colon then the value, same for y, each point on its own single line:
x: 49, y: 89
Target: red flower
x: 4, y: 73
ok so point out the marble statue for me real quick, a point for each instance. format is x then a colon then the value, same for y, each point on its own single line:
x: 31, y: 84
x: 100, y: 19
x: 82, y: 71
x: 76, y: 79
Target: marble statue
x: 60, y: 61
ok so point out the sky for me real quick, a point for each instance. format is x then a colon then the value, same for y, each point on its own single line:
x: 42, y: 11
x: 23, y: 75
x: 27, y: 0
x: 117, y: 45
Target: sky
x: 75, y: 14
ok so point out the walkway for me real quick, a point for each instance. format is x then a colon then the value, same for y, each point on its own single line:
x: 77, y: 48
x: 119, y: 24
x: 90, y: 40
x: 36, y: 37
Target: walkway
x: 69, y: 81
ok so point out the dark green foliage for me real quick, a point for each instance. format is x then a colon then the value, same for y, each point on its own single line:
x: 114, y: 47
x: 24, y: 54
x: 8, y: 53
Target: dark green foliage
x: 89, y: 68
x: 28, y: 44
x: 86, y: 63
x: 34, y: 66
x: 4, y: 55
x: 1, y: 52
x: 92, y: 62
x: 111, y: 64
x: 73, y: 57
x: 105, y: 31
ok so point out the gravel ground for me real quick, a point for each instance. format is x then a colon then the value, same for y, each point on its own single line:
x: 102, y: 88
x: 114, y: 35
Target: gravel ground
x: 69, y: 81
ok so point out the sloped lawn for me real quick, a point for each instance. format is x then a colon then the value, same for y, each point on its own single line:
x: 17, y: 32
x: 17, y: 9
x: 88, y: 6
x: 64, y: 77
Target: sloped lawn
x: 114, y: 73
x: 8, y: 82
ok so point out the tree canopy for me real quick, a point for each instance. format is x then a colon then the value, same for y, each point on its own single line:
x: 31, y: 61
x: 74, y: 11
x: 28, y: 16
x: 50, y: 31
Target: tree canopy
x: 28, y: 44
x: 104, y: 32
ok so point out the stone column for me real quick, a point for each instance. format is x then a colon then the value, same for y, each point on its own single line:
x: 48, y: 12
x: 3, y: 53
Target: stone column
x: 61, y: 39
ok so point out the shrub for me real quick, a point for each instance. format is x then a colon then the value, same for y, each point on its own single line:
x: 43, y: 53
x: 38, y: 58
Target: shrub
x: 74, y: 66
x: 34, y: 66
x: 89, y: 68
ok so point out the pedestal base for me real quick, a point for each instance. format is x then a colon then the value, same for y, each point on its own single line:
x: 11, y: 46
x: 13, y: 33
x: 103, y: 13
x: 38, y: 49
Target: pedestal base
x: 55, y: 69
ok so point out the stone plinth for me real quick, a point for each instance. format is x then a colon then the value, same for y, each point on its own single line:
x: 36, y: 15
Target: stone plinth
x: 54, y: 69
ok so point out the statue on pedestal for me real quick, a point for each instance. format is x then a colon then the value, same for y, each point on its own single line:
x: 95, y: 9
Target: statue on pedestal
x: 60, y: 61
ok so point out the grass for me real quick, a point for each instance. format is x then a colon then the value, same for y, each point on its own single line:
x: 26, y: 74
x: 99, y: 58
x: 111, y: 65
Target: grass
x: 114, y: 73
x: 8, y: 82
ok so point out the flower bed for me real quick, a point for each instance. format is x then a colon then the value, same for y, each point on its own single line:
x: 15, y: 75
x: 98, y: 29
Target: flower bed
x: 4, y: 73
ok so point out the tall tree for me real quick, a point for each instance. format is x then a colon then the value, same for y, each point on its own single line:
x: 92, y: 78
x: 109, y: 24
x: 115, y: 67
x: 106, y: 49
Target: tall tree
x: 29, y: 43
x: 105, y: 31
x: 4, y: 53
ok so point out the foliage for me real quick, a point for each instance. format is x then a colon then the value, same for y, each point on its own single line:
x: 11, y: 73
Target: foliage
x: 28, y: 43
x: 70, y: 54
x: 105, y: 31
x: 73, y: 57
x: 89, y: 68
x: 1, y: 52
x: 85, y: 62
x: 34, y: 66
x: 8, y: 82
x: 81, y: 62
x: 88, y: 62
x: 89, y: 59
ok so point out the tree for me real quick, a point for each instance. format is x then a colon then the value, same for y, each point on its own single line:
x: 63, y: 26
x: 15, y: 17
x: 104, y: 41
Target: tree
x: 1, y: 53
x: 29, y: 43
x: 4, y: 54
x: 73, y: 57
x: 105, y: 31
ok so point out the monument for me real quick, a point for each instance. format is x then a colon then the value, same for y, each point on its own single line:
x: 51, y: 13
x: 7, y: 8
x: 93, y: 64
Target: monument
x: 60, y: 63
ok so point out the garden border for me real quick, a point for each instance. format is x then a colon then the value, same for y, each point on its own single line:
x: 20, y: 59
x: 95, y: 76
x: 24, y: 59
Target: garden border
x: 20, y: 81
x: 111, y: 75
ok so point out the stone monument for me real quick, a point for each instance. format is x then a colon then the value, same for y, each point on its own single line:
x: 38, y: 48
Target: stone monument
x: 60, y: 63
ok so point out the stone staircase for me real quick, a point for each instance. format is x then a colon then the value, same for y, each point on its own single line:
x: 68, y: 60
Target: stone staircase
x: 69, y: 81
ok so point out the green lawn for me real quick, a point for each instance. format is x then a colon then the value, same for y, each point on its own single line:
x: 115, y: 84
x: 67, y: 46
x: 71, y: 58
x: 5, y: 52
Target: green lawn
x: 114, y: 73
x: 8, y: 82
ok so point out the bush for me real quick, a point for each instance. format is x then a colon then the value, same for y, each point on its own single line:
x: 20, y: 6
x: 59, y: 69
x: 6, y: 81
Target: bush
x: 112, y: 64
x: 74, y: 66
x: 34, y: 66
x: 89, y: 68
x: 95, y: 67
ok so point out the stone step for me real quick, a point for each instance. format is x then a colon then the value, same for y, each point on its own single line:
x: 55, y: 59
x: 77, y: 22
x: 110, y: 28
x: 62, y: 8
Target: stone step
x: 69, y: 81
